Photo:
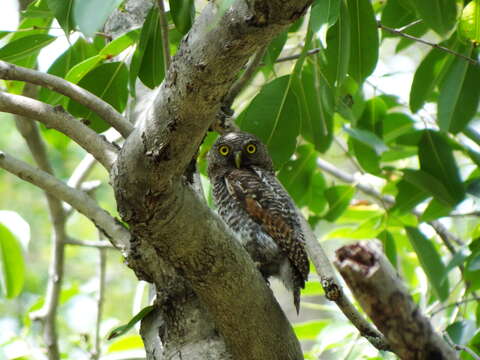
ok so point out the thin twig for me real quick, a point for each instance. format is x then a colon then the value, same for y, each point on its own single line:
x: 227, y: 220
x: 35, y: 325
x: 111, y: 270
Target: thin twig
x: 118, y: 235
x: 246, y: 77
x: 425, y: 42
x: 456, y: 303
x: 296, y: 56
x: 89, y: 243
x: 48, y: 313
x: 100, y: 300
x: 461, y: 347
x: 403, y: 28
x: 103, y: 109
x: 164, y: 33
x: 61, y: 120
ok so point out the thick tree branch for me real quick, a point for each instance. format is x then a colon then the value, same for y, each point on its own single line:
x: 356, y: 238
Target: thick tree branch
x: 154, y: 199
x: 384, y: 297
x: 59, y: 119
x: 116, y: 232
x: 103, y: 109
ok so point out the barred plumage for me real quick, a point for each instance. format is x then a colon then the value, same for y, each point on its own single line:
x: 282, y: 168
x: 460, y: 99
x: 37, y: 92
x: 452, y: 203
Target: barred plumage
x: 254, y: 204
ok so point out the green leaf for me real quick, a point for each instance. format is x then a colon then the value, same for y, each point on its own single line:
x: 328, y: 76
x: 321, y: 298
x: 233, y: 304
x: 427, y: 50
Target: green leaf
x: 109, y: 82
x: 75, y: 54
x: 76, y: 73
x: 316, y: 104
x: 428, y: 75
x: 436, y: 158
x: 63, y: 11
x: 274, y: 115
x: 295, y: 175
x: 324, y: 14
x: 121, y: 43
x: 395, y: 125
x: 429, y: 184
x: 461, y: 331
x: 408, y: 196
x: 337, y: 54
x: 469, y: 24
x: 120, y: 330
x: 309, y: 330
x: 273, y: 51
x: 364, y: 39
x: 457, y: 259
x: 389, y: 247
x: 338, y: 198
x: 313, y: 288
x: 90, y: 15
x: 126, y: 343
x: 367, y: 138
x: 24, y: 47
x: 394, y: 15
x: 430, y: 261
x: 12, y: 264
x: 147, y: 62
x: 439, y: 15
x: 449, y: 99
x: 435, y: 209
x: 314, y: 197
x: 467, y: 103
x: 183, y: 13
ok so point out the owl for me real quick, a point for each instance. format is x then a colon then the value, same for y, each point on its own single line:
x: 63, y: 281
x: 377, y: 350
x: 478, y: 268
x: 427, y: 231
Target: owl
x: 256, y: 207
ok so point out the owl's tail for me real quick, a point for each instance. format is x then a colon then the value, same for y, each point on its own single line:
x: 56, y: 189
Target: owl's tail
x: 296, y: 298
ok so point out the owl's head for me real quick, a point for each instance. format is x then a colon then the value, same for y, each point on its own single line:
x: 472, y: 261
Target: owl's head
x: 239, y: 150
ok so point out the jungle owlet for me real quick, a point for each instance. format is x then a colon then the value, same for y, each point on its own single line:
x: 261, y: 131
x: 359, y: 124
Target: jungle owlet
x: 255, y: 206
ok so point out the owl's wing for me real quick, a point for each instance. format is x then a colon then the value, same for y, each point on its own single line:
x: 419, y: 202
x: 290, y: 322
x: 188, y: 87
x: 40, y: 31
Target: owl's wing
x: 265, y: 200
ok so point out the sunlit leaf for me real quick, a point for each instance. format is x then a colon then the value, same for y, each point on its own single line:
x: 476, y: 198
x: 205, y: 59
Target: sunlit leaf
x: 469, y: 24
x: 12, y: 264
x: 309, y: 330
x: 126, y: 343
x: 121, y: 43
x: 20, y: 49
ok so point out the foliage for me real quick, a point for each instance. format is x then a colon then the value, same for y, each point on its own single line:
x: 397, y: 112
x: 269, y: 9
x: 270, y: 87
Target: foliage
x: 327, y: 102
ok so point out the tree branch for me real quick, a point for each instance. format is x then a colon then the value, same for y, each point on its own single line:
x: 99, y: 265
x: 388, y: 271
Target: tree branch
x: 386, y: 300
x: 103, y: 109
x: 59, y: 119
x: 425, y: 42
x: 48, y: 313
x: 154, y: 199
x: 100, y: 299
x: 114, y: 230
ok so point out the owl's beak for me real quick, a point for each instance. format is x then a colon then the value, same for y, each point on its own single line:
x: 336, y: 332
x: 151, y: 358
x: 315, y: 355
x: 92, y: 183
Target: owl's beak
x: 238, y: 159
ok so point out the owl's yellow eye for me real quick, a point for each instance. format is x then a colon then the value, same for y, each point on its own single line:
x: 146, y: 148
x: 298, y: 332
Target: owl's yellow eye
x: 224, y: 150
x: 251, y: 148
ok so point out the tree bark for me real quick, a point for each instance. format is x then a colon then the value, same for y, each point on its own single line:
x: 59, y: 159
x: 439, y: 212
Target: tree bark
x: 211, y: 299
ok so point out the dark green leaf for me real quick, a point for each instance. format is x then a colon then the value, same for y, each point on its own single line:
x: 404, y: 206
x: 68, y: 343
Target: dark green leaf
x: 316, y: 104
x: 109, y: 82
x: 408, y: 196
x: 428, y: 75
x: 429, y: 184
x: 63, y: 11
x: 467, y: 104
x: 395, y: 125
x: 12, y: 264
x: 389, y: 247
x: 183, y: 13
x: 338, y: 198
x: 324, y: 14
x: 295, y: 175
x: 314, y: 198
x: 274, y: 115
x: 449, y: 99
x: 439, y: 15
x: 75, y: 54
x: 394, y: 15
x: 118, y: 331
x: 461, y: 331
x: 435, y: 209
x: 364, y: 39
x: 430, y: 261
x: 337, y: 54
x: 22, y: 48
x: 367, y: 157
x: 436, y: 158
x: 90, y: 15
x: 147, y: 62
x: 274, y: 50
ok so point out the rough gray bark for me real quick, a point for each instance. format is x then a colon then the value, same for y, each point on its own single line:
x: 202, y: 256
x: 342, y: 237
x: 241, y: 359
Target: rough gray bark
x: 381, y: 293
x: 210, y: 296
